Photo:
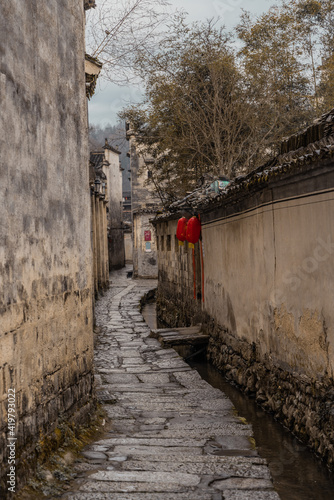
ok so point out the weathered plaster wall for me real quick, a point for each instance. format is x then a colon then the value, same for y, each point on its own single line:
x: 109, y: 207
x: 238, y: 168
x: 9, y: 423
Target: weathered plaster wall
x: 268, y: 273
x: 145, y: 261
x: 143, y: 208
x: 176, y: 305
x: 115, y: 214
x: 45, y: 227
x: 268, y: 293
x: 142, y: 195
x: 128, y: 245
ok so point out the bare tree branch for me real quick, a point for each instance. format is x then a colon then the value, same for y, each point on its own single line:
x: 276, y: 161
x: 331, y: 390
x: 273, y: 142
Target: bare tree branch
x: 117, y: 29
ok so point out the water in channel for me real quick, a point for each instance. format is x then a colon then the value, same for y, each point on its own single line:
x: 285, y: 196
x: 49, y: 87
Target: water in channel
x: 297, y: 473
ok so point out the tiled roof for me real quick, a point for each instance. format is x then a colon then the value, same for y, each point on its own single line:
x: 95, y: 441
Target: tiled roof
x: 97, y: 158
x: 111, y: 148
x: 147, y: 210
x: 320, y: 129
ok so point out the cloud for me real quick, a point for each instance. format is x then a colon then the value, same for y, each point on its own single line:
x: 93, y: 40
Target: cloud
x: 109, y: 98
x: 228, y: 10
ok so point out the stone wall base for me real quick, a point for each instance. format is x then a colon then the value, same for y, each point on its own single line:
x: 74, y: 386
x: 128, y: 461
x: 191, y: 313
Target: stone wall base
x: 177, y: 311
x: 45, y: 430
x: 305, y: 406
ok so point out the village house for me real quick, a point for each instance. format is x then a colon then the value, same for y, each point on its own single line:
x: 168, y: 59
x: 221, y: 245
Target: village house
x: 115, y: 214
x: 106, y: 160
x: 260, y: 281
x: 92, y: 70
x: 99, y: 206
x: 128, y: 246
x: 144, y: 205
x: 46, y: 292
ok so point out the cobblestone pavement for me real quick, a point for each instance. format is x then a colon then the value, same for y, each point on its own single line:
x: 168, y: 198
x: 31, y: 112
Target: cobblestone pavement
x: 172, y: 436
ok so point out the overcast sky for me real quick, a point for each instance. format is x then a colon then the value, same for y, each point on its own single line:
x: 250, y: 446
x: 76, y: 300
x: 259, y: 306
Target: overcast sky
x: 109, y: 99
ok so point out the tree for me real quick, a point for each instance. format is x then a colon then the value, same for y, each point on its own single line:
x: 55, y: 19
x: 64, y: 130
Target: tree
x: 271, y: 59
x: 287, y: 55
x: 196, y: 117
x: 116, y: 29
x: 210, y: 109
x: 326, y: 85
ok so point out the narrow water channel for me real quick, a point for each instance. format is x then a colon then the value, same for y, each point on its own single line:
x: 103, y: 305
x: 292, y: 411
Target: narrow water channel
x: 297, y: 473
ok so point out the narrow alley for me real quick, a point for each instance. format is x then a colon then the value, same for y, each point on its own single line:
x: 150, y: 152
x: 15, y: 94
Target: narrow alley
x: 171, y: 435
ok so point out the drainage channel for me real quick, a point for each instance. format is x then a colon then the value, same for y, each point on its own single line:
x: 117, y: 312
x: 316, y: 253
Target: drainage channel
x: 297, y: 473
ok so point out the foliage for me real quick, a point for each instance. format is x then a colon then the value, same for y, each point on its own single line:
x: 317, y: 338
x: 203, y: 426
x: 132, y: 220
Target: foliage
x: 210, y: 108
x: 326, y: 86
x: 282, y: 56
x: 196, y: 117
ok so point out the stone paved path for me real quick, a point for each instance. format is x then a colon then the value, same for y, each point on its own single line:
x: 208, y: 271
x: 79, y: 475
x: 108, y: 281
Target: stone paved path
x: 172, y: 436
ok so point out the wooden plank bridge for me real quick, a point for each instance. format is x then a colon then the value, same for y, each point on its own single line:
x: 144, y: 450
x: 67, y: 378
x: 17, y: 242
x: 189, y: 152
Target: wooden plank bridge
x: 186, y: 336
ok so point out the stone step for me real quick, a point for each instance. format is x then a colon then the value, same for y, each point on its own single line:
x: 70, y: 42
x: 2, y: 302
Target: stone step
x: 190, y: 336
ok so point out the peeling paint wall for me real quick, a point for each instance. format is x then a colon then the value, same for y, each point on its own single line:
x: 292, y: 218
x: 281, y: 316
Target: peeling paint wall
x: 128, y: 245
x: 142, y: 195
x: 268, y: 296
x: 269, y: 280
x: 45, y: 227
x: 176, y: 304
x: 145, y: 261
x: 115, y: 214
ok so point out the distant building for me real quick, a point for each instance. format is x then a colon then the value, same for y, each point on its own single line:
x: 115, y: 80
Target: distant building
x: 127, y: 206
x: 107, y: 160
x: 99, y: 202
x: 144, y: 205
x: 128, y: 244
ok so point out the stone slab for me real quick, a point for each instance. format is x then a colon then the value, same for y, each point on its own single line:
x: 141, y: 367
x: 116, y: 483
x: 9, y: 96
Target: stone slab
x: 159, y: 450
x: 189, y: 458
x: 143, y: 496
x: 156, y: 441
x: 242, y: 483
x: 131, y: 487
x: 147, y: 477
x: 226, y: 468
x: 250, y: 495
